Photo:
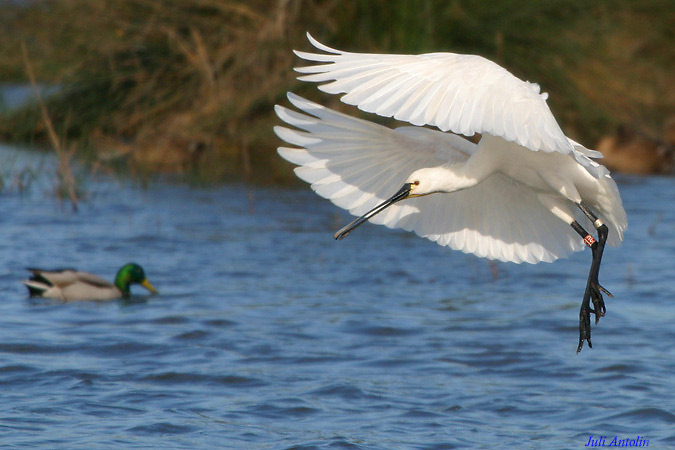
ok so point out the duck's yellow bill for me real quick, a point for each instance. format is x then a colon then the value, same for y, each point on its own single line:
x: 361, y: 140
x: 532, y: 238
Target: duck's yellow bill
x: 146, y: 284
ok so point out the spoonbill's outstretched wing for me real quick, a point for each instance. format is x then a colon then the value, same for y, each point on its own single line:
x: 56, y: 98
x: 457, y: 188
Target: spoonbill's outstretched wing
x: 465, y: 94
x: 357, y: 164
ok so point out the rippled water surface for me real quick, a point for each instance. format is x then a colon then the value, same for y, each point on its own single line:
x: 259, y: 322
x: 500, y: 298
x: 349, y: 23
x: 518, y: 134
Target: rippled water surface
x: 267, y: 334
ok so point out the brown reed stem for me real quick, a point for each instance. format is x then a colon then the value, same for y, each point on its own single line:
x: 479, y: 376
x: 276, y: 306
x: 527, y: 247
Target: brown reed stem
x: 66, y: 178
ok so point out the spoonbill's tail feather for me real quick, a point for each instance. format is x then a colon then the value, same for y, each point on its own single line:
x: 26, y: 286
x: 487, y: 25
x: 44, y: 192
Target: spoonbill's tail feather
x: 358, y: 164
x: 609, y: 207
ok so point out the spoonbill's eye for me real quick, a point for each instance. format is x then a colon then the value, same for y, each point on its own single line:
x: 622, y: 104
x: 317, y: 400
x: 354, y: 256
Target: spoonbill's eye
x: 416, y: 183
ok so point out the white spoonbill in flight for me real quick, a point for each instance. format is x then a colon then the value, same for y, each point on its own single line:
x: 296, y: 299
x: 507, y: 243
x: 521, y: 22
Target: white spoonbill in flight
x: 524, y: 193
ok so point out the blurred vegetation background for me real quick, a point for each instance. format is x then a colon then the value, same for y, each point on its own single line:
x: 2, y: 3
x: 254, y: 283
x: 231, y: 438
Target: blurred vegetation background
x: 189, y: 85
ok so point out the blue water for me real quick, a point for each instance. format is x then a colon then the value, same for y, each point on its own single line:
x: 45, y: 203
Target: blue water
x: 19, y: 94
x: 268, y: 334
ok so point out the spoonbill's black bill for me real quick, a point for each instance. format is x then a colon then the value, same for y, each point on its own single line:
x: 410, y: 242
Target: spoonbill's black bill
x: 524, y: 193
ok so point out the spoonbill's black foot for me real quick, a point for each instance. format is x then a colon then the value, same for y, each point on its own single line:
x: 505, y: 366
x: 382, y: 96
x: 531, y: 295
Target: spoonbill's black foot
x: 584, y: 328
x: 596, y: 291
x: 593, y: 293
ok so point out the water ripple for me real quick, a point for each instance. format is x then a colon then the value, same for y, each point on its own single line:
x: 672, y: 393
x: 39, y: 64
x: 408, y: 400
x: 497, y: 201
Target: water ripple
x: 267, y: 334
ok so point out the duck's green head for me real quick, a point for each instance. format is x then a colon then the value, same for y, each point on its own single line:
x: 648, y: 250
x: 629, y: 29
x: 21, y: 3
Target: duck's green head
x: 132, y: 274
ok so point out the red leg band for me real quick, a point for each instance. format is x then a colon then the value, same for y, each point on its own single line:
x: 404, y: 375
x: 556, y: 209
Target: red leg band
x: 589, y: 240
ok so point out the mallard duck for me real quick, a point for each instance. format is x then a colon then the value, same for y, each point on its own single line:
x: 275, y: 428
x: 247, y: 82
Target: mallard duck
x: 70, y: 284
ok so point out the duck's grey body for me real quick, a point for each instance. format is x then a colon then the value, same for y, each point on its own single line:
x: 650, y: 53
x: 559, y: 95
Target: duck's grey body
x: 71, y: 284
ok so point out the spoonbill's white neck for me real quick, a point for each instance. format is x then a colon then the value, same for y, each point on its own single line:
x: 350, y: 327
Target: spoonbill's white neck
x: 443, y: 179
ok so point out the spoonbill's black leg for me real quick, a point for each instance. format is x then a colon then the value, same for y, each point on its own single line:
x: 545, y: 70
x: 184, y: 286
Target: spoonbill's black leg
x: 594, y: 290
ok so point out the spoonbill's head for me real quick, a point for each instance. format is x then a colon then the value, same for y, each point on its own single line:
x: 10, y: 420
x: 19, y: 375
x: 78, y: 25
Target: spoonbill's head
x: 426, y: 181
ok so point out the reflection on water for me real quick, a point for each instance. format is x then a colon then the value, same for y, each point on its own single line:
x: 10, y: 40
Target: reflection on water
x: 269, y: 334
x: 15, y: 95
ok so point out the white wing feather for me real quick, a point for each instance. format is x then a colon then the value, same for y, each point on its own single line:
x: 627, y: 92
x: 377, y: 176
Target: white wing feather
x: 465, y: 94
x: 357, y: 164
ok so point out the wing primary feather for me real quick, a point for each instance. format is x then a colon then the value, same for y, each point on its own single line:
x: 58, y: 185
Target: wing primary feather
x: 323, y: 47
x: 318, y: 57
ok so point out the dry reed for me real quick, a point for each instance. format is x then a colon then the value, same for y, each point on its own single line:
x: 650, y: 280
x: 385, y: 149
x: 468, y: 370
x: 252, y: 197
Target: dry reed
x: 66, y: 180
